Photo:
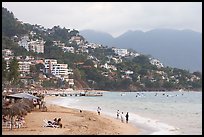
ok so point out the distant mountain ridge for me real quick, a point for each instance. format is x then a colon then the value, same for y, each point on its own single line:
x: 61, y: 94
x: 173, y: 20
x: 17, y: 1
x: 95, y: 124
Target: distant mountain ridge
x: 174, y: 48
x: 93, y: 66
x: 98, y: 37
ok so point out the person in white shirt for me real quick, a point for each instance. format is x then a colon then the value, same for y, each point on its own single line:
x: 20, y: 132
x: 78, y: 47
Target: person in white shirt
x: 99, y: 110
x: 118, y: 113
x: 122, y: 117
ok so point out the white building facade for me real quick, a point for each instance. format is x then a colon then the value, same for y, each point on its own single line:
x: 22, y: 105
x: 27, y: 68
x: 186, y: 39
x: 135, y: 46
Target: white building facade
x: 59, y: 70
x: 24, y: 67
x: 157, y: 63
x: 7, y: 52
x: 24, y: 42
x: 48, y: 63
x: 120, y: 52
x: 37, y: 46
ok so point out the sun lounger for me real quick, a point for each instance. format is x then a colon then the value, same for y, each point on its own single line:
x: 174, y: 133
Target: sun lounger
x: 20, y: 124
x: 6, y: 124
x: 49, y: 124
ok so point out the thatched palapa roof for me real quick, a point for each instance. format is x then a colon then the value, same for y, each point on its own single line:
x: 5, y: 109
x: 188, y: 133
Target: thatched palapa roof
x: 23, y: 95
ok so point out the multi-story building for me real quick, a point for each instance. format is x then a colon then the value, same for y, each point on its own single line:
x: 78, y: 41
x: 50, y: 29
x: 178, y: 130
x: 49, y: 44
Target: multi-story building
x: 156, y: 62
x: 76, y: 39
x: 59, y: 70
x: 24, y: 67
x: 120, y: 52
x: 71, y: 82
x: 68, y: 49
x: 24, y: 42
x: 37, y: 46
x: 49, y: 65
x: 93, y: 45
x: 8, y: 59
x: 58, y: 43
x: 7, y: 52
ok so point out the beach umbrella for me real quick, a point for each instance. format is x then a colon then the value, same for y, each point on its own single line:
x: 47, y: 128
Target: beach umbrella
x: 5, y: 111
x: 25, y: 105
x: 28, y: 102
x: 5, y: 107
x: 23, y: 95
x: 15, y: 110
x: 3, y: 102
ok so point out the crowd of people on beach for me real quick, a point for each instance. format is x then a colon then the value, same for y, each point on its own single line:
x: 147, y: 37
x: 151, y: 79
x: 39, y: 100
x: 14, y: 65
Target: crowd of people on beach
x: 122, y: 117
x: 156, y: 94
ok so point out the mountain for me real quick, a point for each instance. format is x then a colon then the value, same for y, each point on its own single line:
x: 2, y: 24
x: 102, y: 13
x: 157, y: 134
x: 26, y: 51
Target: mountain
x: 174, y: 48
x: 10, y: 25
x: 87, y: 62
x: 98, y: 37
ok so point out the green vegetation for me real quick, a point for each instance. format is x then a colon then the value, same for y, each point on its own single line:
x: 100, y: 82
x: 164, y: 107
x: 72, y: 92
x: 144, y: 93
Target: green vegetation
x: 13, y: 73
x: 145, y: 76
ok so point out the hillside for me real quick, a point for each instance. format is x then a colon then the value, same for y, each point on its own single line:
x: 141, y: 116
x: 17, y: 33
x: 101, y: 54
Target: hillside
x: 94, y: 66
x: 175, y: 48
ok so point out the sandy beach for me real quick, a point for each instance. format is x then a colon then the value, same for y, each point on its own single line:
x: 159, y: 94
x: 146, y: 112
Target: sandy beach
x: 73, y: 123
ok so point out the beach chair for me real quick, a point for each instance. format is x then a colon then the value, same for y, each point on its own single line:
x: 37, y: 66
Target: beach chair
x: 6, y: 124
x: 49, y: 124
x: 20, y: 124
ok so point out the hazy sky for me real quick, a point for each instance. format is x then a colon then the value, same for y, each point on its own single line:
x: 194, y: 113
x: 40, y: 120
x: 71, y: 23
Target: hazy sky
x: 112, y: 17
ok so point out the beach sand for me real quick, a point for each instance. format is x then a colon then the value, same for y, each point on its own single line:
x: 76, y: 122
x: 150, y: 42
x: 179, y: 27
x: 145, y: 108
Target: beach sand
x: 73, y: 123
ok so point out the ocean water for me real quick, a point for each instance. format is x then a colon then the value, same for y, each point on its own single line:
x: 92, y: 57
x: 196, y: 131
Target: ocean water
x: 155, y: 113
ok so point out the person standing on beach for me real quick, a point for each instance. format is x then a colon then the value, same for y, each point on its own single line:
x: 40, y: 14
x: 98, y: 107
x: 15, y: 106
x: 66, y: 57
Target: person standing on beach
x: 127, y: 116
x: 122, y: 117
x: 118, y: 113
x: 99, y: 110
x: 59, y: 122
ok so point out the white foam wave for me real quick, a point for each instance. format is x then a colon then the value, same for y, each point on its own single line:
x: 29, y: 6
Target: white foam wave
x: 158, y: 127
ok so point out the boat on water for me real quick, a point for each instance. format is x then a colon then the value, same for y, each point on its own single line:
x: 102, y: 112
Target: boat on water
x: 122, y: 94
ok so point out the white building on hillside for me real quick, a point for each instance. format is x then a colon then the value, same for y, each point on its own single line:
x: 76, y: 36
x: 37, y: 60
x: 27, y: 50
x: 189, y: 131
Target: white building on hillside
x: 120, y: 52
x: 134, y: 54
x: 76, y: 39
x: 156, y: 62
x: 48, y: 63
x: 107, y: 66
x: 37, y: 46
x: 93, y: 45
x: 129, y: 72
x: 68, y: 49
x: 24, y: 42
x: 59, y: 69
x: 7, y: 52
x: 24, y: 67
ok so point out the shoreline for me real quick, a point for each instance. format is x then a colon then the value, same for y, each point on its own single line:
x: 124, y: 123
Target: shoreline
x: 147, y: 125
x: 124, y: 128
x: 74, y: 123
